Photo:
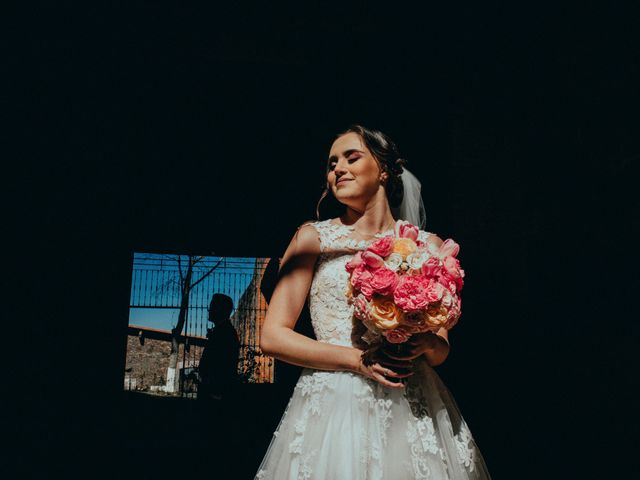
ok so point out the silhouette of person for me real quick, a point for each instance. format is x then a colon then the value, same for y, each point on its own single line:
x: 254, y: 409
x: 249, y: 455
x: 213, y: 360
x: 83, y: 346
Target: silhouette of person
x: 219, y: 360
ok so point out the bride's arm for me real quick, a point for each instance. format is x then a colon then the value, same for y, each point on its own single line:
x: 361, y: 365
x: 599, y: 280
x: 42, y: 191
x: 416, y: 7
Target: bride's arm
x: 278, y: 339
x: 437, y: 349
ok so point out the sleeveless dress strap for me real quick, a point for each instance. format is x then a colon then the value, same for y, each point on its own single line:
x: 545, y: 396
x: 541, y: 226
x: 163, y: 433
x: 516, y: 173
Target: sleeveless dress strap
x: 329, y: 233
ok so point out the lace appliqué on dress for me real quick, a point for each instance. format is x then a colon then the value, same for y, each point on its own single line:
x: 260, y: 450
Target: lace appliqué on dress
x: 465, y: 447
x: 335, y: 237
x: 421, y: 432
x: 375, y: 398
x: 331, y: 314
x: 314, y: 388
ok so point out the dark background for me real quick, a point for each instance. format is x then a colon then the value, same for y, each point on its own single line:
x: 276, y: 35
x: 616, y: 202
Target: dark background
x: 205, y: 129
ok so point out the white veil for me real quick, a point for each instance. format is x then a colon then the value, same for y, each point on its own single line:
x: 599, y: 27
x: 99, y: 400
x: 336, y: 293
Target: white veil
x: 412, y: 207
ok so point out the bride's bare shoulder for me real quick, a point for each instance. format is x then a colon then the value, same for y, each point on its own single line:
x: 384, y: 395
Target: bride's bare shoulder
x: 306, y: 238
x: 303, y: 249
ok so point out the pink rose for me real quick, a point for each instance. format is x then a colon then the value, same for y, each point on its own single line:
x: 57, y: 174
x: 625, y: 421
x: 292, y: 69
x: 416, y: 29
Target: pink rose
x: 361, y: 280
x: 354, y: 262
x: 360, y: 274
x: 460, y: 281
x: 372, y: 260
x: 434, y: 291
x: 452, y: 266
x: 454, y: 272
x: 382, y: 247
x: 384, y: 281
x: 405, y: 229
x: 367, y: 289
x: 397, y: 335
x: 410, y: 294
x: 449, y: 248
x: 446, y: 281
x: 361, y: 308
x: 431, y: 268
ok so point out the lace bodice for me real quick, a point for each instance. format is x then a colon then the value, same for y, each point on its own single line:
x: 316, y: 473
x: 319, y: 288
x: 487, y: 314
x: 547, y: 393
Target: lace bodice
x: 331, y: 314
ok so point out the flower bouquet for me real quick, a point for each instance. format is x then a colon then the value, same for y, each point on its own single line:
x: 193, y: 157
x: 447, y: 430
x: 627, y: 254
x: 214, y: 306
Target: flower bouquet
x: 400, y: 286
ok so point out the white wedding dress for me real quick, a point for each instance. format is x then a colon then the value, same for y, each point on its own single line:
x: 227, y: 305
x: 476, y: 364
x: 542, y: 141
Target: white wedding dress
x: 343, y: 426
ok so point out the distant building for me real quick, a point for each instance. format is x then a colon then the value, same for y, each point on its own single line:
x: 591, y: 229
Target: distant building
x: 254, y: 367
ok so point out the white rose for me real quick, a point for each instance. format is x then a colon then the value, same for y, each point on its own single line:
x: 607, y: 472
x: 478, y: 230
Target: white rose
x: 393, y: 261
x: 415, y: 260
x: 447, y: 300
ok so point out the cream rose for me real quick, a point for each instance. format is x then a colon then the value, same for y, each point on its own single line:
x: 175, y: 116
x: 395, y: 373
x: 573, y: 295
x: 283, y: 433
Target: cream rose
x: 436, y: 316
x: 383, y: 313
x: 404, y: 246
x: 393, y: 262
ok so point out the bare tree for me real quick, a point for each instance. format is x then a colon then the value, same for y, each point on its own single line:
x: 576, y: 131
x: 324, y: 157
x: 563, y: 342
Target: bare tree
x: 187, y: 282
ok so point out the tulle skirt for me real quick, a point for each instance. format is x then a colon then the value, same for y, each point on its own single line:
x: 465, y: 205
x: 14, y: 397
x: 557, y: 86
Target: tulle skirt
x: 343, y: 426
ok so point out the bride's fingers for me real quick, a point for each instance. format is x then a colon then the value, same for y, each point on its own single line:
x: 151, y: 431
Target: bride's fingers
x: 378, y: 373
x: 387, y: 383
x: 404, y: 374
x: 387, y: 372
x: 398, y: 366
x: 382, y: 370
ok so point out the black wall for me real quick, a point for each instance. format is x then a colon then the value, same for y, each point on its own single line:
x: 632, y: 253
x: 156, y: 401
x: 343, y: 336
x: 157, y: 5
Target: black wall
x: 206, y: 129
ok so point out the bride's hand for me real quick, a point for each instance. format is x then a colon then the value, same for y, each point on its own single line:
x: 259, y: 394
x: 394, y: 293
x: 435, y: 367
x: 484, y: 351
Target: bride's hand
x: 379, y: 367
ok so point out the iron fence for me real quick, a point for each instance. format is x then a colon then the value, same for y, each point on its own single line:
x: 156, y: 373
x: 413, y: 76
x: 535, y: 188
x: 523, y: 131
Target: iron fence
x: 159, y: 286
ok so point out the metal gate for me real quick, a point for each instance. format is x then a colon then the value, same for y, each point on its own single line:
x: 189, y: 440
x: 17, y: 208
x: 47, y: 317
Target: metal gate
x: 170, y: 296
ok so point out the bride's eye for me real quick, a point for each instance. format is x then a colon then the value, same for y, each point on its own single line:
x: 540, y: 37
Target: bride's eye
x: 333, y: 163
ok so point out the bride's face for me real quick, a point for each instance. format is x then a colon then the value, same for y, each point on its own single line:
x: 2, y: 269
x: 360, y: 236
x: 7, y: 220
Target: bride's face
x: 353, y: 173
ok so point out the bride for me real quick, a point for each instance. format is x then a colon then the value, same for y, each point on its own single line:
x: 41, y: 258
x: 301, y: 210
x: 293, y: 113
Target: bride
x: 390, y: 417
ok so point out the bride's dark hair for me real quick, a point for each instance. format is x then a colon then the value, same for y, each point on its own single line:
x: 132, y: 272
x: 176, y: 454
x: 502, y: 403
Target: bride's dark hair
x: 386, y: 153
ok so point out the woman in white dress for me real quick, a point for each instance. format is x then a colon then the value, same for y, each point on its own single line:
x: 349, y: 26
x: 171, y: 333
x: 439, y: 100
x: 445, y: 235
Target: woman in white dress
x: 349, y: 418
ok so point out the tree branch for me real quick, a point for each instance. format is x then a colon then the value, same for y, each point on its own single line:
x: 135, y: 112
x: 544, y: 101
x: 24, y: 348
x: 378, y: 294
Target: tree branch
x: 180, y: 272
x: 206, y: 274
